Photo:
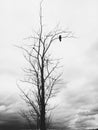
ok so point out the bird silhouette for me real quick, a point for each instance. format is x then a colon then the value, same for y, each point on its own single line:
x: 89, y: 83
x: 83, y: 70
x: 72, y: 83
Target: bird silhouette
x: 60, y: 38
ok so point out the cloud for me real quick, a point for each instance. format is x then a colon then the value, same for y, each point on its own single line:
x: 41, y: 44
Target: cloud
x: 9, y: 111
x: 2, y: 108
x: 80, y: 97
x: 9, y: 103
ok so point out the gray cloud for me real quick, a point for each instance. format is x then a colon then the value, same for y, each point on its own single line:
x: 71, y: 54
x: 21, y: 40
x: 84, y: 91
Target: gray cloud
x: 9, y: 109
x: 9, y: 103
x: 94, y: 111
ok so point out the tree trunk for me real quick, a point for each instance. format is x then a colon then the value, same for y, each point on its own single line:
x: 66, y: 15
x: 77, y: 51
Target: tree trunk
x: 42, y: 121
x: 43, y: 114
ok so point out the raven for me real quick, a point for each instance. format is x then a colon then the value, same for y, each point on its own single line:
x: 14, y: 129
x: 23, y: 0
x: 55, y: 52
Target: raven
x: 60, y: 38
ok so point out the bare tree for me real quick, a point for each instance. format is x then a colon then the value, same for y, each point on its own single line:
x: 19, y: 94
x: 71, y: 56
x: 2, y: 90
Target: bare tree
x: 41, y: 73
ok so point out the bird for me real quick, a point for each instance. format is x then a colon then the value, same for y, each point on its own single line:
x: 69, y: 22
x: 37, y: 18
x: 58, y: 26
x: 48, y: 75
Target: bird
x: 60, y: 38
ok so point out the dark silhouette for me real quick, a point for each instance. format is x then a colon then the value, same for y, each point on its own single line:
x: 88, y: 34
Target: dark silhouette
x: 60, y: 38
x: 42, y: 75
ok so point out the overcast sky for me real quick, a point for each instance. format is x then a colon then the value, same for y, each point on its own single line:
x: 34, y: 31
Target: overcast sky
x: 80, y: 55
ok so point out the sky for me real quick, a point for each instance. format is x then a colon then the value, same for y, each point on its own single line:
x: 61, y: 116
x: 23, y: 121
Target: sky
x: 80, y: 54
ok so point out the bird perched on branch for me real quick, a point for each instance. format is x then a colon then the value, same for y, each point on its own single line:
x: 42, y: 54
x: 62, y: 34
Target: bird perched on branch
x: 60, y: 38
